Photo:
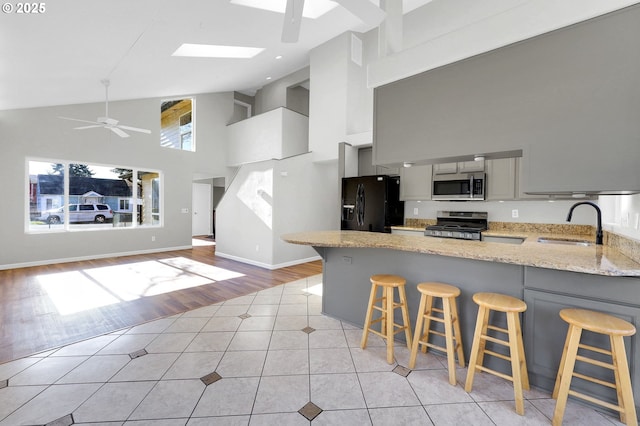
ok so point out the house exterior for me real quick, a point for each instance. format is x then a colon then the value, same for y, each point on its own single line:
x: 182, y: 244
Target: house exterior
x: 49, y: 193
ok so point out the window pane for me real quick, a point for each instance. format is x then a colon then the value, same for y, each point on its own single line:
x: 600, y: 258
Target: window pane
x: 176, y: 124
x: 148, y: 198
x: 97, y: 190
x: 46, y: 196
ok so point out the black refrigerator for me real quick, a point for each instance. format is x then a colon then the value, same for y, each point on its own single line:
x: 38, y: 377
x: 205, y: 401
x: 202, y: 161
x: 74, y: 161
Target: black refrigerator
x: 371, y: 203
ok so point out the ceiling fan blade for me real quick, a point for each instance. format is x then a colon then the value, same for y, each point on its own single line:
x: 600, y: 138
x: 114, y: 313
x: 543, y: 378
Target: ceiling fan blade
x: 292, y: 20
x: 118, y: 132
x: 77, y: 119
x: 364, y: 10
x: 88, y: 127
x: 134, y: 129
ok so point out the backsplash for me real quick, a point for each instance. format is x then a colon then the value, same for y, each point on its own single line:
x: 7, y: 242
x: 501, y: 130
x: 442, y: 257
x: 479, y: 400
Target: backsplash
x: 627, y: 246
x: 547, y: 228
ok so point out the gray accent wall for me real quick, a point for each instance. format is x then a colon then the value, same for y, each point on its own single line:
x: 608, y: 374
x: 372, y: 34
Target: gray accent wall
x: 565, y: 98
x: 40, y: 134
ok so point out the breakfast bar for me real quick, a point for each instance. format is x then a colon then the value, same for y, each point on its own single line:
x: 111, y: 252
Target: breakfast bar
x: 547, y: 276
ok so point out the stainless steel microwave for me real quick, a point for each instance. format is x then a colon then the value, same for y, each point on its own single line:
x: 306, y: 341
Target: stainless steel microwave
x: 459, y: 187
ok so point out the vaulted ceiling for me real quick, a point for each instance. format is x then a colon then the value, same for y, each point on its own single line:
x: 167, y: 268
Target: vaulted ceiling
x: 60, y: 56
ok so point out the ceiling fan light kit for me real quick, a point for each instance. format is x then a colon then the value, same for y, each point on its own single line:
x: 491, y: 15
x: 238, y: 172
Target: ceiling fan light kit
x: 106, y: 121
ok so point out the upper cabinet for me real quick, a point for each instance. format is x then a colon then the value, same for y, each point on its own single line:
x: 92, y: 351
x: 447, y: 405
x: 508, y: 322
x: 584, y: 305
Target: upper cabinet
x: 567, y: 99
x: 415, y: 183
x: 501, y: 179
x: 459, y: 167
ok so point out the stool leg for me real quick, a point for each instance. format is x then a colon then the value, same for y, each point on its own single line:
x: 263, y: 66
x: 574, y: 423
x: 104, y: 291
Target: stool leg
x: 418, y: 335
x: 367, y: 319
x: 390, y: 321
x: 623, y: 381
x: 427, y: 322
x: 448, y: 334
x: 457, y: 332
x: 564, y: 376
x: 516, y: 366
x: 524, y: 375
x: 563, y: 360
x: 477, y: 346
x: 405, y: 315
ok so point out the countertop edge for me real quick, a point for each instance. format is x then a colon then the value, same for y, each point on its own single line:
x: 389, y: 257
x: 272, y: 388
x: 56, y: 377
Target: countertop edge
x: 594, y: 260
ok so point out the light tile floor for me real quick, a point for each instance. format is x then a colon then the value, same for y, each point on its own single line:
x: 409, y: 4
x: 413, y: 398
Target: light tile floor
x: 258, y: 360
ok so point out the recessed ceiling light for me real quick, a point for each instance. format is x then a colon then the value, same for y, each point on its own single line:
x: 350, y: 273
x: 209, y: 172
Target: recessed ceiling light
x: 268, y: 78
x: 312, y: 9
x: 215, y: 51
x: 279, y: 57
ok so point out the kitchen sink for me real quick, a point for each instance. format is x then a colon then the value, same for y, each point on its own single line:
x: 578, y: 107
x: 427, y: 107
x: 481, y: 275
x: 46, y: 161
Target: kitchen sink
x: 565, y: 241
x: 506, y: 240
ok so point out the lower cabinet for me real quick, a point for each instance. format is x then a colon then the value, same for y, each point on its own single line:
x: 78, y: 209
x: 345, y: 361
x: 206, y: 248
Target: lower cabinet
x: 545, y: 332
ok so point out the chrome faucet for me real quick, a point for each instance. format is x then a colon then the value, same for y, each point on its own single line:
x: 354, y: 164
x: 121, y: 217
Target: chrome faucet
x: 599, y: 228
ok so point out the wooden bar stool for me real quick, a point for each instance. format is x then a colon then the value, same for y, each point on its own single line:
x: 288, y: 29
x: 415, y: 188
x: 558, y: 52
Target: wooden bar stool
x: 448, y: 316
x: 387, y: 306
x: 512, y: 307
x: 615, y: 328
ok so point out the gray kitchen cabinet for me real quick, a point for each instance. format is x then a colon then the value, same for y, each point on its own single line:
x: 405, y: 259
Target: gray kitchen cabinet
x: 501, y: 179
x: 458, y: 167
x: 415, y: 183
x: 471, y: 166
x: 546, y: 293
x: 564, y: 106
x: 445, y: 168
x: 520, y: 184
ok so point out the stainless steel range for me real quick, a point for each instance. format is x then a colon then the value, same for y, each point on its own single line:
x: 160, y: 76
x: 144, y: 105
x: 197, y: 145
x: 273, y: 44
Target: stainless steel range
x: 461, y: 225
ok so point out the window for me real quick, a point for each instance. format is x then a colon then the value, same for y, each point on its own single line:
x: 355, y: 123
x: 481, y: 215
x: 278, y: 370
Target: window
x: 177, y: 125
x: 76, y: 196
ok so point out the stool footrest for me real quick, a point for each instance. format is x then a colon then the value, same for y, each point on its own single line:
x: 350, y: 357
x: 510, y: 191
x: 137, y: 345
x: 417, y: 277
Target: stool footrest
x: 433, y: 318
x: 398, y: 328
x: 497, y: 355
x: 496, y: 328
x: 594, y: 349
x: 596, y: 401
x: 494, y: 340
x: 494, y: 372
x: 594, y: 380
x: 595, y: 362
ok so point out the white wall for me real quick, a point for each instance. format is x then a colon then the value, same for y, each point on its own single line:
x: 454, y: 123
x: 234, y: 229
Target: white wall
x: 274, y: 94
x: 40, y: 133
x: 621, y: 213
x: 277, y: 133
x: 271, y: 198
x: 328, y: 98
x: 528, y: 211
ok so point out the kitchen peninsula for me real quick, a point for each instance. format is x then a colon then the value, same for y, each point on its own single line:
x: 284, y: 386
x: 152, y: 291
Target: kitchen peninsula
x: 548, y: 277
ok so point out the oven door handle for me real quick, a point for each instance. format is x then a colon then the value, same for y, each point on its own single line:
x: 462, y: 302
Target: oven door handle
x: 471, y: 186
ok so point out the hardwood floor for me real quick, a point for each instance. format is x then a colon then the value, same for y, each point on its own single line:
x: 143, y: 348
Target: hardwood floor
x: 49, y: 306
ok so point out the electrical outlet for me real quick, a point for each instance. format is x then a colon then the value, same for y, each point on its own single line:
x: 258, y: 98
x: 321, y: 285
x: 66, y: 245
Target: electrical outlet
x: 257, y: 247
x: 153, y: 238
x: 514, y: 213
x: 415, y: 211
x: 346, y: 259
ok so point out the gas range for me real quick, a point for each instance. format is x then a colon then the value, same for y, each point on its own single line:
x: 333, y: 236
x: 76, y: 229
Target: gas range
x: 460, y: 225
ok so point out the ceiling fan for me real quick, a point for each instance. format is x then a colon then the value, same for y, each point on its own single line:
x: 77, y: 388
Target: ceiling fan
x: 364, y: 10
x: 106, y: 121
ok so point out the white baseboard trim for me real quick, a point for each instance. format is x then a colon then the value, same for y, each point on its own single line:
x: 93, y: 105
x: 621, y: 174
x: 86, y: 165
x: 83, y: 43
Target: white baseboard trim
x: 267, y: 265
x: 90, y: 257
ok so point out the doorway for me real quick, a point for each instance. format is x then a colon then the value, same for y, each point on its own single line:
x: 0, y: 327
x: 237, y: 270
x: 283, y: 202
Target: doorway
x: 201, y: 222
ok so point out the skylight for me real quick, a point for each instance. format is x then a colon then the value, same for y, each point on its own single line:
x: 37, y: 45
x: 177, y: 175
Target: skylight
x: 312, y: 9
x: 216, y: 51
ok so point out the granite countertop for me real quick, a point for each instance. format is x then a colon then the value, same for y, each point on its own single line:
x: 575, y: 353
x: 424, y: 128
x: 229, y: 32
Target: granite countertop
x: 598, y: 260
